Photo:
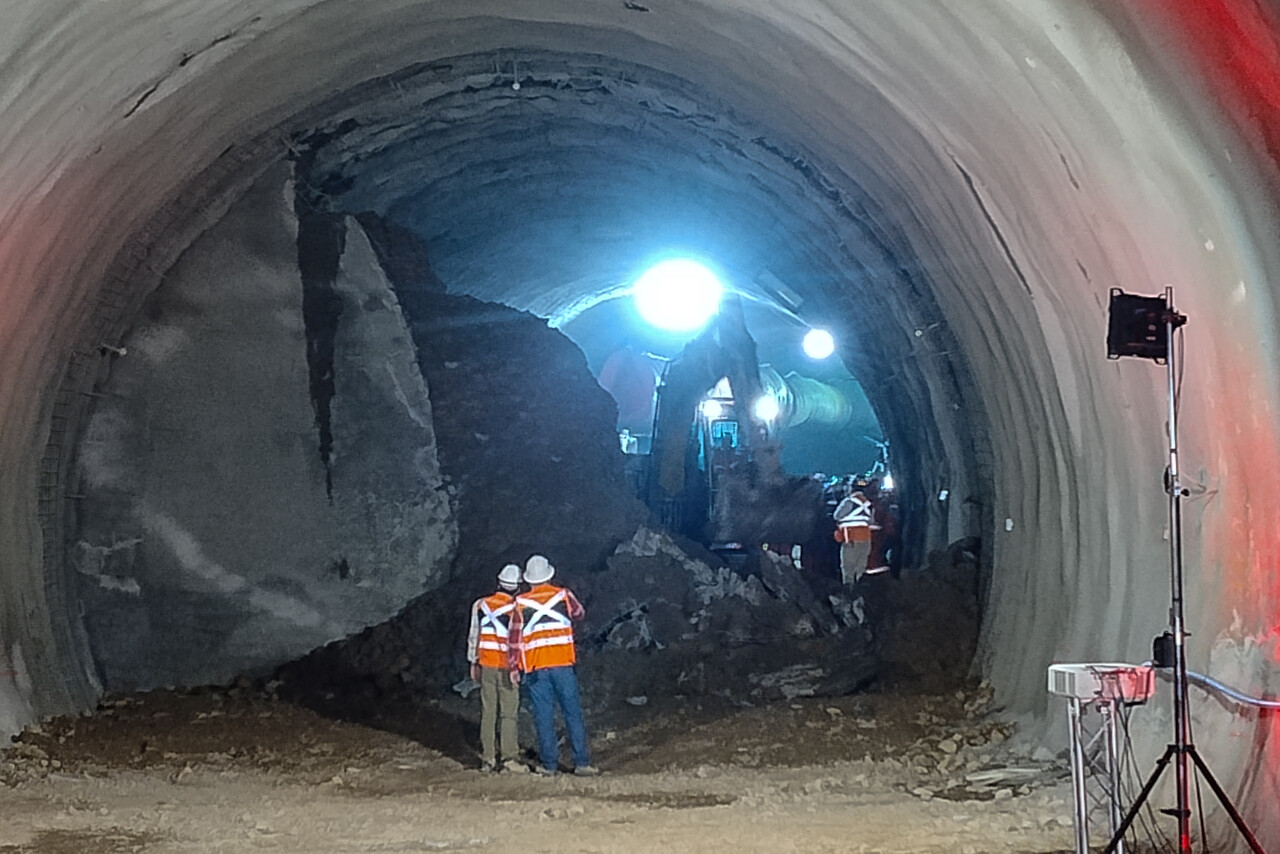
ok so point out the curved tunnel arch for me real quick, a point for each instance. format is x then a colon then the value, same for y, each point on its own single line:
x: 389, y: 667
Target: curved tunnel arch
x: 1003, y: 167
x: 691, y: 172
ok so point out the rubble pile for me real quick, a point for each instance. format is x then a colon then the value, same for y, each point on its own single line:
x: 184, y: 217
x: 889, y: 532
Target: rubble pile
x: 25, y: 761
x: 927, y: 621
x: 972, y: 757
x: 664, y: 621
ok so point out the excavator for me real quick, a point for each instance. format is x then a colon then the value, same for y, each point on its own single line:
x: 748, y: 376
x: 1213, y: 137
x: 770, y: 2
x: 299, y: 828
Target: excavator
x: 715, y: 472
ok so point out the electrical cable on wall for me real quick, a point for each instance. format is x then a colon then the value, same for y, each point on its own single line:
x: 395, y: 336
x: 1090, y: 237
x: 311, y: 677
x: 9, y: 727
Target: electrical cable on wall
x: 1213, y: 686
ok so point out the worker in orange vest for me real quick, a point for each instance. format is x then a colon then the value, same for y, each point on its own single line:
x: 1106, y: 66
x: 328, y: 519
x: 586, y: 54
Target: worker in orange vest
x: 489, y: 651
x: 542, y: 643
x: 855, y: 522
x: 884, y: 531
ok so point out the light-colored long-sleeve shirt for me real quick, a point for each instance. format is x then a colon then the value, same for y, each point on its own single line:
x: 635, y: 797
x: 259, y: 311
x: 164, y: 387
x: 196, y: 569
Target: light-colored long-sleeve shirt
x: 473, y: 636
x: 475, y: 632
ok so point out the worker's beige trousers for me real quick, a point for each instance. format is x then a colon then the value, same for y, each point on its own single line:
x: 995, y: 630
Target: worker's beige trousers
x: 853, y: 560
x: 499, y: 699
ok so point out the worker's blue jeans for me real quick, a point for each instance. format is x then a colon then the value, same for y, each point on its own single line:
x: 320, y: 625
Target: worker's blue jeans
x: 546, y: 688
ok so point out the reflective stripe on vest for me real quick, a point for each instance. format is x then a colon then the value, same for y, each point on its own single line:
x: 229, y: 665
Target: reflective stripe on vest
x: 860, y: 515
x: 547, y: 634
x: 495, y: 627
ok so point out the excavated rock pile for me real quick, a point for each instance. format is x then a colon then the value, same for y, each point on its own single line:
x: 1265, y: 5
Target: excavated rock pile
x: 927, y: 621
x: 670, y: 620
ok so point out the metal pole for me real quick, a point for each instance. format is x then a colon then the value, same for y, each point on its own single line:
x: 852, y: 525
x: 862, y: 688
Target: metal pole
x: 1109, y: 710
x: 1182, y: 750
x: 1077, y: 776
x: 1181, y: 721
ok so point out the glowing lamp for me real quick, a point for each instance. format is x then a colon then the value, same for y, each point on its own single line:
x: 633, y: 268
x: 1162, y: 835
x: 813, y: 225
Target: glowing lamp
x: 711, y: 409
x: 678, y: 295
x: 818, y: 344
x: 887, y: 483
x: 766, y: 408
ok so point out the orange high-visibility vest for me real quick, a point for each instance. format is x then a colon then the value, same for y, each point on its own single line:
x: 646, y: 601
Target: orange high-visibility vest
x: 856, y: 524
x: 546, y: 637
x: 495, y: 627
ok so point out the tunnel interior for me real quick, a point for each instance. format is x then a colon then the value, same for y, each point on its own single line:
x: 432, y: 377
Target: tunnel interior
x: 377, y: 378
x: 323, y: 336
x: 614, y: 141
x: 615, y: 211
x: 386, y: 370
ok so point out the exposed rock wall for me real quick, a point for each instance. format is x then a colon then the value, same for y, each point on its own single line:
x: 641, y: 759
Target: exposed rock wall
x: 212, y: 540
x: 530, y: 456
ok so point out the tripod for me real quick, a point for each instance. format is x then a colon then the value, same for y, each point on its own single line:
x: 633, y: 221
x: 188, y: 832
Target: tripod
x: 1183, y: 749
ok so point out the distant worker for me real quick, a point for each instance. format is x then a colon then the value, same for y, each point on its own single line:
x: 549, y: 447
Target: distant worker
x: 885, y: 541
x: 542, y: 642
x: 855, y: 518
x: 489, y: 651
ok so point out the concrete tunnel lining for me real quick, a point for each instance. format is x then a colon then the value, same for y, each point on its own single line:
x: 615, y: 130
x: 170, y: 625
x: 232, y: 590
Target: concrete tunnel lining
x: 1057, y: 163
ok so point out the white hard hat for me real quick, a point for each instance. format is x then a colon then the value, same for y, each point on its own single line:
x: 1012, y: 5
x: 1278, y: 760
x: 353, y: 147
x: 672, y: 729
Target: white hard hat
x: 510, y: 575
x: 538, y: 570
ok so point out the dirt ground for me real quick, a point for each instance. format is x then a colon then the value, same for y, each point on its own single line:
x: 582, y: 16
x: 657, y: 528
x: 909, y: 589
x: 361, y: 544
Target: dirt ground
x: 234, y: 769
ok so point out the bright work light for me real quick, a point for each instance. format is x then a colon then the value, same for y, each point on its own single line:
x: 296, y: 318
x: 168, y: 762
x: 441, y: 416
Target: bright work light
x: 818, y: 344
x: 678, y: 295
x: 766, y: 408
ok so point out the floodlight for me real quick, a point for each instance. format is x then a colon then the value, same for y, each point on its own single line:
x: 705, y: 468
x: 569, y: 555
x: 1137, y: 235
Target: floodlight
x: 679, y: 295
x: 1139, y: 326
x: 766, y: 408
x: 711, y: 409
x: 818, y: 344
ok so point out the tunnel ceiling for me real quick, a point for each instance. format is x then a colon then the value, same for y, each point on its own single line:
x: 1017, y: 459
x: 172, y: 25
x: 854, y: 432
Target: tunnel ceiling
x: 956, y: 183
x: 546, y: 180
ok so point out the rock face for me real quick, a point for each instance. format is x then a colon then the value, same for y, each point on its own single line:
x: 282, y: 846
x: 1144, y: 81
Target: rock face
x: 530, y: 455
x: 213, y: 539
x: 390, y: 505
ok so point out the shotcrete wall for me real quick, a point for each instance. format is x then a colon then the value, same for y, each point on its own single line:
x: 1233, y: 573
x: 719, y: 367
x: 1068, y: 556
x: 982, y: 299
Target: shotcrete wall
x: 1003, y: 165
